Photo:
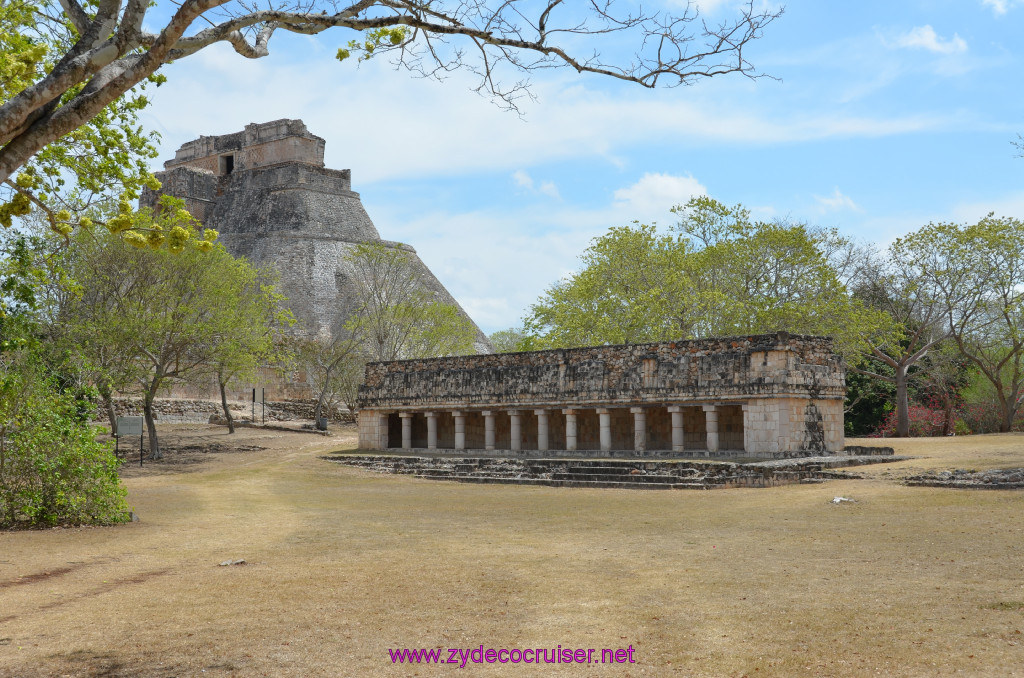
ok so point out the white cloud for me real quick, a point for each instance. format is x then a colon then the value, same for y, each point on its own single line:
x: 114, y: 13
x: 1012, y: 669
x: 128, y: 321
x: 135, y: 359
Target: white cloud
x: 651, y: 198
x: 496, y: 262
x: 523, y: 180
x: 710, y: 6
x: 1000, y: 7
x: 1011, y: 205
x: 549, y: 189
x: 364, y: 113
x: 836, y: 202
x: 925, y: 37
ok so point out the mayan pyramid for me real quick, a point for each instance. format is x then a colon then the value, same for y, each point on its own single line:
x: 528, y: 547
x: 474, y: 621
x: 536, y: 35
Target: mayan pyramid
x: 268, y: 194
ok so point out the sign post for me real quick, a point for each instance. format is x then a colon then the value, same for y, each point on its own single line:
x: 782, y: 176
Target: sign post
x: 258, y: 396
x: 129, y: 426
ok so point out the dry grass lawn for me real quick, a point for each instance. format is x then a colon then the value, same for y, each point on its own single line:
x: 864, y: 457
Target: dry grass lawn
x: 343, y: 564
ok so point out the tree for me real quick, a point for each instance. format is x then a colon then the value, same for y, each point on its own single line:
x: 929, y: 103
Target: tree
x: 98, y: 51
x: 896, y: 286
x: 79, y: 178
x: 721, y: 275
x: 252, y: 331
x: 977, y: 270
x: 940, y: 383
x: 760, y: 277
x: 167, y: 312
x: 52, y: 469
x: 635, y: 285
x: 334, y: 367
x: 513, y: 340
x: 395, y: 315
x: 868, y: 400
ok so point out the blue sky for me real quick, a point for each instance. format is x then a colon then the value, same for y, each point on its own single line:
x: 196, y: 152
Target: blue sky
x: 884, y: 116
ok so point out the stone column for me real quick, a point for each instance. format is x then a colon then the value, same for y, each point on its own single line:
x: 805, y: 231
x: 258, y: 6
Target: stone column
x: 406, y: 429
x: 382, y: 430
x: 460, y: 430
x: 431, y: 430
x: 639, y: 429
x: 515, y: 430
x: 542, y: 430
x: 711, y: 425
x: 570, y: 430
x: 746, y: 426
x: 678, y: 433
x: 488, y: 430
x: 605, y: 418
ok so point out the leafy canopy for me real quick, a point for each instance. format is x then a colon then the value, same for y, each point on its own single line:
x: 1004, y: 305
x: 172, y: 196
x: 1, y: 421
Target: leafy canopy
x: 717, y: 273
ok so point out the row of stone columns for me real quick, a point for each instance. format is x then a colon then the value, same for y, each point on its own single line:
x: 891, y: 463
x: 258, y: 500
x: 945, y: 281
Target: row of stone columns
x: 543, y: 443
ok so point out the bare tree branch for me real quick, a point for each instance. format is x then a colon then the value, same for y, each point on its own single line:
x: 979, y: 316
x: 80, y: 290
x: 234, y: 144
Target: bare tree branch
x: 112, y: 53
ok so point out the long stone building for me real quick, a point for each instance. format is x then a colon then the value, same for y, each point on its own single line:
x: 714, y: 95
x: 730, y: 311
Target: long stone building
x: 267, y: 192
x: 758, y: 396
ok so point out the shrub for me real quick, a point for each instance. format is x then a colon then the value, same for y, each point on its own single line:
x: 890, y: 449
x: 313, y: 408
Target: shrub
x: 924, y: 421
x: 53, y: 471
x: 982, y: 412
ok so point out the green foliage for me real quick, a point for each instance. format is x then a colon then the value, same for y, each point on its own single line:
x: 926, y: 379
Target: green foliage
x: 52, y: 469
x: 978, y: 272
x: 634, y: 286
x: 513, y: 340
x: 146, y: 313
x: 20, y: 279
x: 391, y: 36
x: 90, y: 175
x: 868, y: 401
x: 720, y: 275
x: 395, y: 317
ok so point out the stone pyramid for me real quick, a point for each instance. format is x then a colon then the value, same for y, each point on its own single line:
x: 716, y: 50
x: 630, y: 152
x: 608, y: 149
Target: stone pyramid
x: 266, y: 191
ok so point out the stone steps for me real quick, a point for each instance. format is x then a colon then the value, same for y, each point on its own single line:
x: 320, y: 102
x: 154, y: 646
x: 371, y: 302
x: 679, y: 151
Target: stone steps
x: 597, y: 473
x: 617, y: 477
x: 551, y: 482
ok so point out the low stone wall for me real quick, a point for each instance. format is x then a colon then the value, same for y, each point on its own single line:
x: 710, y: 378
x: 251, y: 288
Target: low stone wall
x: 192, y: 411
x: 993, y: 479
x: 867, y: 450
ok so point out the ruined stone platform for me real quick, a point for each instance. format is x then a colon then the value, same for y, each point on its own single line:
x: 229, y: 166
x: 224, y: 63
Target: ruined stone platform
x: 631, y: 474
x: 965, y: 479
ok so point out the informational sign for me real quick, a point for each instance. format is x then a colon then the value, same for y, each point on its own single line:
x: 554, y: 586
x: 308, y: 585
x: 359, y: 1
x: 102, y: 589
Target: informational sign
x: 129, y: 426
x: 257, y: 395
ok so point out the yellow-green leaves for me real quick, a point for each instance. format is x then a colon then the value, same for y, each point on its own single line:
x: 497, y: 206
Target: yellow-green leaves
x: 374, y: 39
x: 83, y: 173
x: 723, y: 276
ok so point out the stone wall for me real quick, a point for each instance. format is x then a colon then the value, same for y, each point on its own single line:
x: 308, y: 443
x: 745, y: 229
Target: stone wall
x: 734, y: 368
x: 197, y: 411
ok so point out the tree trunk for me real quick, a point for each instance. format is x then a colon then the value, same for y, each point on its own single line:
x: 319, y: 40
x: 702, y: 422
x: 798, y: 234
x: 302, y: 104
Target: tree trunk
x: 318, y: 411
x: 147, y: 409
x: 224, y: 403
x: 947, y: 419
x: 902, y: 403
x: 1009, y: 414
x: 108, y: 405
